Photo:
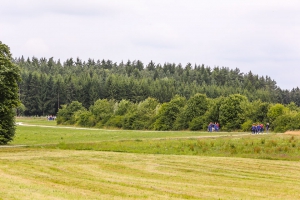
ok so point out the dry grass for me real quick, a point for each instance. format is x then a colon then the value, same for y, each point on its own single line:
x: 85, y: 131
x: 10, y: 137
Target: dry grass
x: 292, y: 133
x: 62, y: 174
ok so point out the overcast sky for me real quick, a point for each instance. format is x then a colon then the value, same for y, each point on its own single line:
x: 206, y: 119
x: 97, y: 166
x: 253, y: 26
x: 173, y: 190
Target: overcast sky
x: 258, y: 35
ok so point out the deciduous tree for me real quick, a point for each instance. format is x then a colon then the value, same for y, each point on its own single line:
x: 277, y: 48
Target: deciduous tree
x: 9, y: 98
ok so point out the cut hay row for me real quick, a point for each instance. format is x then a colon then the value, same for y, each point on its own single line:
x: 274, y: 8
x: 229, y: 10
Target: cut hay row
x: 58, y: 174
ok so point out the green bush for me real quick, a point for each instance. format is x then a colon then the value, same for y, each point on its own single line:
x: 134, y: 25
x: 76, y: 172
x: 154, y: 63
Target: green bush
x: 115, y: 121
x: 231, y: 112
x: 246, y: 126
x: 102, y: 110
x: 168, y: 112
x: 288, y: 121
x: 198, y: 123
x: 84, y: 118
x: 65, y: 115
x: 129, y: 120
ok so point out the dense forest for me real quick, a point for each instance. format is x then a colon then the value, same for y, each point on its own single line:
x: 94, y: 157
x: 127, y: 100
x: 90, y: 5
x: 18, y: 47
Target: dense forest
x: 173, y: 97
x: 47, y: 84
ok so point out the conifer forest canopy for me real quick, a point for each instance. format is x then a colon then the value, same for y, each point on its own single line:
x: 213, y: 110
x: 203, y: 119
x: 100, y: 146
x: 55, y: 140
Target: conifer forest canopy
x: 48, y: 85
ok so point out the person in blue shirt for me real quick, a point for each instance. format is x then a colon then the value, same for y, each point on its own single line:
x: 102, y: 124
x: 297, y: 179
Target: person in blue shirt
x: 210, y: 127
x: 253, y: 128
x: 258, y: 128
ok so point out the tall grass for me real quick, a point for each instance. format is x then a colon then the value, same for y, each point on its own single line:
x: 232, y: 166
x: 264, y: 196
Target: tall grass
x: 279, y: 147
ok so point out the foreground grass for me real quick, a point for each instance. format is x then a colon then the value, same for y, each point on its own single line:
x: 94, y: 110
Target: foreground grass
x: 55, y: 174
x: 62, y: 163
x: 277, y: 147
x: 268, y: 146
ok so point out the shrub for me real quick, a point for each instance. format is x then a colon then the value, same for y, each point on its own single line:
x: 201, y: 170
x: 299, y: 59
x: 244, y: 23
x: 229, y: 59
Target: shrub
x: 84, y: 118
x: 128, y: 121
x: 115, y: 121
x: 65, y: 115
x: 246, y: 126
x: 198, y: 123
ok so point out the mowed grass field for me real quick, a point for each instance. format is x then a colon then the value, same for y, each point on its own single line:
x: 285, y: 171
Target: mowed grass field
x: 69, y: 163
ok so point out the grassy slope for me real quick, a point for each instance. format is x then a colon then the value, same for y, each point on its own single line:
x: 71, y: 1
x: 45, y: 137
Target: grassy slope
x: 39, y: 173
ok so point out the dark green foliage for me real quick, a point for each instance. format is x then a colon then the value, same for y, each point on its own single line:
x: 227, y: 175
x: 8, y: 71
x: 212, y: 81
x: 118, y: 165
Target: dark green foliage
x: 199, y: 123
x: 20, y: 110
x: 246, y: 126
x: 129, y: 120
x: 168, y: 113
x: 146, y: 113
x: 233, y: 113
x: 123, y: 107
x: 9, y: 99
x: 230, y: 112
x: 66, y: 115
x: 196, y: 106
x: 102, y: 110
x: 85, y: 118
x: 209, y: 92
x: 286, y: 122
x: 276, y: 111
x: 115, y: 121
x: 48, y: 84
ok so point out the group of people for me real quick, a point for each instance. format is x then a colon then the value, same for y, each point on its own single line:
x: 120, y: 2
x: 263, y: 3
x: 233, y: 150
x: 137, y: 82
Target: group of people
x: 259, y: 128
x: 51, y: 117
x: 213, y: 127
x: 256, y: 128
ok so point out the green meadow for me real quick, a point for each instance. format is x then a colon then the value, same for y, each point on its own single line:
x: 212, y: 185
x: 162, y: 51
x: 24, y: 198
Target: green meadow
x: 58, y: 162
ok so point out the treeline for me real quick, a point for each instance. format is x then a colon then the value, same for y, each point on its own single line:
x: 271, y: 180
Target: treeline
x: 48, y: 84
x: 234, y: 112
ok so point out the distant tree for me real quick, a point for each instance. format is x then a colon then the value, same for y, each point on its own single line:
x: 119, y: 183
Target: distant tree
x: 196, y: 106
x: 276, y: 111
x: 33, y: 98
x: 102, y: 110
x: 84, y: 118
x: 66, y: 114
x: 21, y: 109
x: 230, y: 112
x: 290, y: 120
x: 151, y: 66
x: 9, y: 98
x: 145, y: 114
x: 168, y: 112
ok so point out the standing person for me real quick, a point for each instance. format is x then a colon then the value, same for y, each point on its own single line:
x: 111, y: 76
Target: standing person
x: 261, y: 128
x: 217, y: 126
x: 258, y: 128
x: 253, y: 129
x: 267, y: 127
x: 210, y: 126
x: 213, y: 127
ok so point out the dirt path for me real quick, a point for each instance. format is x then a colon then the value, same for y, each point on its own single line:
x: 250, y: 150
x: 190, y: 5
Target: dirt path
x: 292, y: 132
x: 67, y: 127
x: 12, y: 146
